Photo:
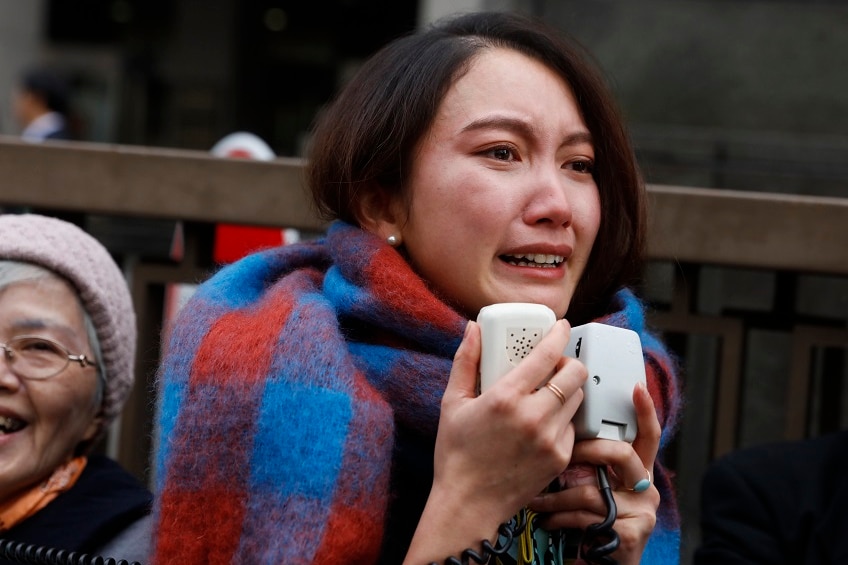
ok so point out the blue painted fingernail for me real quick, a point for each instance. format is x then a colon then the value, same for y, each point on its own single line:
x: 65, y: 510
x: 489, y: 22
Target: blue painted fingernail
x: 641, y: 486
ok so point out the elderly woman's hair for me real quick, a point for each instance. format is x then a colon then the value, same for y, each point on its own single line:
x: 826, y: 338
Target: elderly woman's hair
x: 365, y: 141
x: 14, y: 272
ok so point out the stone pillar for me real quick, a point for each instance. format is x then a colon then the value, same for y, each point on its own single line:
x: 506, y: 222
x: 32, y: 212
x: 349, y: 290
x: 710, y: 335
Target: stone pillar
x: 431, y: 10
x: 21, y: 31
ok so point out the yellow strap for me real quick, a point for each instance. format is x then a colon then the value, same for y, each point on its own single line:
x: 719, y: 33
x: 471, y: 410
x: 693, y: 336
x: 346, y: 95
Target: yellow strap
x: 525, y: 540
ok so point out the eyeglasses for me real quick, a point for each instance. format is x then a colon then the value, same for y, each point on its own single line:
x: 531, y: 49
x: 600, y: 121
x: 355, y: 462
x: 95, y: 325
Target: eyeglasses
x: 38, y: 358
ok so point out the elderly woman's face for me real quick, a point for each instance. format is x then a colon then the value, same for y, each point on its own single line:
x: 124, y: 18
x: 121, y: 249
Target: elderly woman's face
x: 43, y: 420
x: 504, y: 207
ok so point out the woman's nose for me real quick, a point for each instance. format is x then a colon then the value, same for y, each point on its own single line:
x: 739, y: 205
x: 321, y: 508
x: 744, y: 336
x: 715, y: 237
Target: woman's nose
x: 9, y: 380
x: 548, y: 201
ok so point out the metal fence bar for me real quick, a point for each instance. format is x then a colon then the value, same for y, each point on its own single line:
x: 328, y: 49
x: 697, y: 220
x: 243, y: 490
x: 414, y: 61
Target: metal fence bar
x: 724, y: 227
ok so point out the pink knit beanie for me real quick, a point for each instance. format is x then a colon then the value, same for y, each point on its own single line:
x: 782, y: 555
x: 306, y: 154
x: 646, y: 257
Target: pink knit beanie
x: 69, y: 251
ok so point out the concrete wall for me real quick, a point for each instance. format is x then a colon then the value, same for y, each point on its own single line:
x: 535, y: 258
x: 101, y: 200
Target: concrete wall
x: 737, y: 94
x: 753, y: 65
x: 759, y: 83
x: 20, y: 42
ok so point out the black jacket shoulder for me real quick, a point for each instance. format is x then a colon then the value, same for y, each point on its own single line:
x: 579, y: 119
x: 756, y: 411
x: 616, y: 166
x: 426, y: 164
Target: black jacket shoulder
x: 777, y: 503
x: 104, y: 501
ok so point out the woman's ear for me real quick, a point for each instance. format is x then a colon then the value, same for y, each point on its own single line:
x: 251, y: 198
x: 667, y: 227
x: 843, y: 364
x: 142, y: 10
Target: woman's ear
x: 92, y: 429
x: 381, y: 213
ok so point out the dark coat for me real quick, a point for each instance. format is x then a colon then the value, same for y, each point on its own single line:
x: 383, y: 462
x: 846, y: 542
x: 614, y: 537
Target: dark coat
x: 60, y: 134
x: 105, y: 500
x: 780, y: 503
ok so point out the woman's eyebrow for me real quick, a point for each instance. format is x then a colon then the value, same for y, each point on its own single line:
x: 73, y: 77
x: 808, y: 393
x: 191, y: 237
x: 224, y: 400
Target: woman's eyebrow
x: 29, y: 324
x: 523, y: 128
x: 500, y: 122
x: 577, y: 138
x: 37, y: 324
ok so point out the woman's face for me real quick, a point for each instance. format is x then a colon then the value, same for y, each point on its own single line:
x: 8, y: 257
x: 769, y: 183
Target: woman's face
x: 43, y: 420
x: 503, y: 205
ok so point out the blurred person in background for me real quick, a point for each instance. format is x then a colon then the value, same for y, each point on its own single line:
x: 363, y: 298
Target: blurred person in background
x: 779, y: 503
x: 68, y: 339
x: 42, y: 106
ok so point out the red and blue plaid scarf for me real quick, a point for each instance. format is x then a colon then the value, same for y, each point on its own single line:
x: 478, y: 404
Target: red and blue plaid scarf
x: 286, y: 381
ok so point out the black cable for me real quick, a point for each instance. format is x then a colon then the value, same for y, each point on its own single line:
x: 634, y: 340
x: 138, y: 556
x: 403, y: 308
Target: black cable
x: 598, y: 542
x: 506, y: 533
x: 30, y: 554
x: 601, y: 539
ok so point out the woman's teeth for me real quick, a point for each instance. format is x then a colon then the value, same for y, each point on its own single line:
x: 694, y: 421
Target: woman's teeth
x: 10, y: 425
x: 534, y: 260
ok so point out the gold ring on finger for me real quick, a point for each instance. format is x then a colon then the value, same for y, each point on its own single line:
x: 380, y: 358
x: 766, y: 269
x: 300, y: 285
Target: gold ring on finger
x: 557, y: 392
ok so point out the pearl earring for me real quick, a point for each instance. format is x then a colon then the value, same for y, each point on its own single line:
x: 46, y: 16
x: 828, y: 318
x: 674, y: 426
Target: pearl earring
x: 393, y: 240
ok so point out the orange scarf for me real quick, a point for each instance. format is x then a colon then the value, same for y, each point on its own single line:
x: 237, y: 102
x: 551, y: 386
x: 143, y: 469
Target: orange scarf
x: 22, y: 506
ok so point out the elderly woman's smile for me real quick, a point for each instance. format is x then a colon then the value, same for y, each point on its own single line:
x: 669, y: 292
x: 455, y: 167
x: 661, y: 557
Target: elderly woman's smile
x: 43, y: 420
x: 67, y: 349
x: 10, y: 424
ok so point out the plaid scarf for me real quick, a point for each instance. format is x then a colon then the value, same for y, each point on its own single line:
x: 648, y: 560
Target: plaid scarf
x: 289, y: 377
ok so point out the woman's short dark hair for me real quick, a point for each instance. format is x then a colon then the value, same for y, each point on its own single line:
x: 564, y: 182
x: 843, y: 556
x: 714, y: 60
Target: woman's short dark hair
x: 50, y: 86
x: 364, y: 142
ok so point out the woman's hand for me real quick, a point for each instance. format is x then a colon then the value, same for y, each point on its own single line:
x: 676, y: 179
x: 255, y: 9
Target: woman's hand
x: 496, y: 451
x: 581, y: 504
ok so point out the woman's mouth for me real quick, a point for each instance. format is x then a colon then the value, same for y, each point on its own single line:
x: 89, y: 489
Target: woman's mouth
x: 9, y: 425
x: 538, y: 260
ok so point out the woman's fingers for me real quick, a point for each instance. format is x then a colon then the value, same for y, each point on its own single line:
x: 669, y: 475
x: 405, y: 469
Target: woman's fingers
x: 545, y: 359
x: 645, y: 445
x: 583, y: 498
x: 463, y: 376
x: 481, y: 438
x: 632, y: 464
x: 583, y: 505
x: 564, y: 391
x: 637, y: 499
x: 546, y: 381
x: 647, y: 442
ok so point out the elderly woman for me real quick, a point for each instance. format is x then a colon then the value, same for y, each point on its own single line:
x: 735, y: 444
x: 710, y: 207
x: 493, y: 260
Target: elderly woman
x: 67, y: 334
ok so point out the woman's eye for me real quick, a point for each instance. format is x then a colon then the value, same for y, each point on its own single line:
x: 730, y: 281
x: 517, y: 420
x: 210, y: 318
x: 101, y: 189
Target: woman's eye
x: 34, y: 345
x: 581, y: 166
x: 501, y: 153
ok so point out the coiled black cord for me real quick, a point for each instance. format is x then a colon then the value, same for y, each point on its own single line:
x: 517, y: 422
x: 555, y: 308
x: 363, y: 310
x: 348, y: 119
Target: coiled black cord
x: 598, y: 542
x: 601, y: 539
x: 507, y: 532
x: 29, y: 554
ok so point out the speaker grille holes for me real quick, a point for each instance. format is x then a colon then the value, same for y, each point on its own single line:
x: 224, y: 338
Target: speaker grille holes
x: 520, y: 342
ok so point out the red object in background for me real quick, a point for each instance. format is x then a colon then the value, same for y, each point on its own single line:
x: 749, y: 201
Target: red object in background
x: 232, y: 242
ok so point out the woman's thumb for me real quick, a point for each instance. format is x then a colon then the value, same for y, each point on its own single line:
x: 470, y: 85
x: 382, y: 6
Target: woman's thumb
x: 466, y: 362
